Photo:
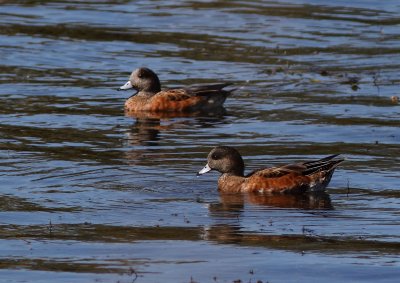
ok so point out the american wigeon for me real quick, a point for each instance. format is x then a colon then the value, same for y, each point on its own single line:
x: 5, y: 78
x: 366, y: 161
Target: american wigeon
x: 150, y: 97
x: 292, y: 178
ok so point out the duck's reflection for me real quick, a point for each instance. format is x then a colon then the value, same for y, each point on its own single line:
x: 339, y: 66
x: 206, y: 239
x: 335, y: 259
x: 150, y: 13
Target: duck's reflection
x: 217, y: 113
x: 145, y: 131
x: 148, y: 125
x: 311, y: 200
x: 228, y: 226
x: 231, y: 205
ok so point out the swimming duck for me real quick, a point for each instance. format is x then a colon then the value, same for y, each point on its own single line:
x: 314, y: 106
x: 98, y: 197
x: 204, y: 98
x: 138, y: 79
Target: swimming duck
x: 292, y: 178
x: 150, y: 97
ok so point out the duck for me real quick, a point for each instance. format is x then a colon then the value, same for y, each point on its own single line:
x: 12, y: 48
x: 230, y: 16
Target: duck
x: 150, y: 97
x: 295, y: 178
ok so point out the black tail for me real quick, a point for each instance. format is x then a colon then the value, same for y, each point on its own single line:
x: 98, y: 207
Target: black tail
x: 325, y: 164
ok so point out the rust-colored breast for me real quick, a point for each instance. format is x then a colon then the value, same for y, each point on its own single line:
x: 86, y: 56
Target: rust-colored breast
x: 230, y: 184
x: 136, y: 103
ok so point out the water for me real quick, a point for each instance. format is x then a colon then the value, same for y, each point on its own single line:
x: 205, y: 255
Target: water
x: 91, y: 195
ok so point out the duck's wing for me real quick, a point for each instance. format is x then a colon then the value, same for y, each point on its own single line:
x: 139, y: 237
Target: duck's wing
x: 275, y: 172
x: 209, y: 89
x: 177, y: 94
x: 306, y: 168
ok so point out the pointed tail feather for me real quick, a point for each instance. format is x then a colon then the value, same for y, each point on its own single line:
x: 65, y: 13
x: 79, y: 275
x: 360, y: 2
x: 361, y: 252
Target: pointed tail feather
x: 324, y: 164
x: 322, y: 159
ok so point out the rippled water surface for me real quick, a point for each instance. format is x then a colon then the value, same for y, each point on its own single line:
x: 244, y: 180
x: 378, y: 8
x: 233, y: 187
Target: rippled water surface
x: 88, y: 194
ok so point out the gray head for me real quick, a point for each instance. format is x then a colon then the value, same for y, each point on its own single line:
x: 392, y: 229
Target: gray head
x: 224, y: 159
x: 143, y: 80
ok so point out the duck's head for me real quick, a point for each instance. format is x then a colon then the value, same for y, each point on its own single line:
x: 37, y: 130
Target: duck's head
x: 224, y: 159
x: 143, y: 80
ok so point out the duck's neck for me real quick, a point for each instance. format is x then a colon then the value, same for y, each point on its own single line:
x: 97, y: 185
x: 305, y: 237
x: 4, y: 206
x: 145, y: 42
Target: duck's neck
x: 237, y: 172
x: 237, y: 169
x: 235, y: 166
x: 149, y: 89
x: 146, y: 93
x: 152, y: 87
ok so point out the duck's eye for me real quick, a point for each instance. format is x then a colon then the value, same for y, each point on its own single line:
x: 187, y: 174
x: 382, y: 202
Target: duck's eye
x: 215, y: 156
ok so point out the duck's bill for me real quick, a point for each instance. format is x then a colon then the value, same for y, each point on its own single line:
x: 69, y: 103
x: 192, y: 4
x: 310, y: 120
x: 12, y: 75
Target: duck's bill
x: 204, y: 170
x: 126, y: 86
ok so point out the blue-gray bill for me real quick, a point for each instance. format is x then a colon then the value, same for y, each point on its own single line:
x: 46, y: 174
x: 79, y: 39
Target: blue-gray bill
x: 204, y: 170
x: 126, y: 86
